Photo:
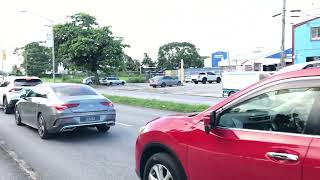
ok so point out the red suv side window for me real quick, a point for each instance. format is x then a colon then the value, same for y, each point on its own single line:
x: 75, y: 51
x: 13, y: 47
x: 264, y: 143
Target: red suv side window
x: 285, y: 110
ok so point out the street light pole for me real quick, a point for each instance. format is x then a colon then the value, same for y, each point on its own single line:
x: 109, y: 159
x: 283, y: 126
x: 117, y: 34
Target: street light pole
x: 283, y: 56
x: 53, y: 55
x: 26, y: 60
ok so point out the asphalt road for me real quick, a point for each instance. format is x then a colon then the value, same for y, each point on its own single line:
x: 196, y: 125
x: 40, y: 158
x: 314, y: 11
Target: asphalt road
x: 83, y: 154
x: 188, y: 99
x: 190, y: 93
x: 9, y: 169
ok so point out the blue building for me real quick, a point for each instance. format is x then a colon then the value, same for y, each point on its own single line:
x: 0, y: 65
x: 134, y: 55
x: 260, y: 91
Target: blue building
x: 306, y: 41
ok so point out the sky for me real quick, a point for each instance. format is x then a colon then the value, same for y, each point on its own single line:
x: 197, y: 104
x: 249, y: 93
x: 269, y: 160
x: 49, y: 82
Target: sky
x: 238, y: 26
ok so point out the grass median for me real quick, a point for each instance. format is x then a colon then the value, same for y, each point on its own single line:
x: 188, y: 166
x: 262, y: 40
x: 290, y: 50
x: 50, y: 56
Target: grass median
x: 157, y: 104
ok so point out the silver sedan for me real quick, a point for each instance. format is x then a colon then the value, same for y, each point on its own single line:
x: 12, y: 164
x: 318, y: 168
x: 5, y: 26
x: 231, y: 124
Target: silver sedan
x: 55, y: 108
x: 164, y: 81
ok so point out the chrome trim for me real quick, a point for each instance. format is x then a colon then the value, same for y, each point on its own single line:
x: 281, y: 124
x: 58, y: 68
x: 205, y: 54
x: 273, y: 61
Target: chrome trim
x: 269, y: 132
x: 63, y: 129
x: 282, y: 156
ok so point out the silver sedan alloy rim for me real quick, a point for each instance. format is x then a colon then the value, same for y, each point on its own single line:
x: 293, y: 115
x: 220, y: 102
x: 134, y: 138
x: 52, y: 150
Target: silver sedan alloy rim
x: 41, y: 126
x: 159, y: 172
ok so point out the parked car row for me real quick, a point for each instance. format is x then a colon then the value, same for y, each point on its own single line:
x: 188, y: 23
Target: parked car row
x: 55, y: 108
x: 104, y: 81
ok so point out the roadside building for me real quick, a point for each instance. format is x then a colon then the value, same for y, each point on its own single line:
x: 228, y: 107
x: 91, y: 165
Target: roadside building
x: 306, y: 41
x: 261, y: 61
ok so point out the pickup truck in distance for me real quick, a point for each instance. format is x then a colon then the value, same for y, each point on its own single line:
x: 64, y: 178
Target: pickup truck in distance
x: 205, y: 77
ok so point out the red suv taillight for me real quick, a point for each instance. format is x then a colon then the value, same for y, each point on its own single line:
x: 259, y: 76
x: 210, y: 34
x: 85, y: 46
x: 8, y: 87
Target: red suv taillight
x: 65, y: 106
x: 15, y: 89
x: 107, y: 103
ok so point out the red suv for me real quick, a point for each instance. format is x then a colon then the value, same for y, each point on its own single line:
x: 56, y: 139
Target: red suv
x: 270, y: 130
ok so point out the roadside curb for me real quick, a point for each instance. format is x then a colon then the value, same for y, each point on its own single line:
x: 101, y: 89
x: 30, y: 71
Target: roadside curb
x: 25, y: 167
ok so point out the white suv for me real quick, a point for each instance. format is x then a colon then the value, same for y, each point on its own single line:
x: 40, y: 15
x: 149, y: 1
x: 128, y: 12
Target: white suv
x: 205, y: 77
x: 11, y: 89
x: 112, y: 81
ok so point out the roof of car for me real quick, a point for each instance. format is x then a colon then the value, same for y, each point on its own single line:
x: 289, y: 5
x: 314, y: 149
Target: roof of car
x: 278, y: 77
x: 296, y: 67
x: 22, y: 77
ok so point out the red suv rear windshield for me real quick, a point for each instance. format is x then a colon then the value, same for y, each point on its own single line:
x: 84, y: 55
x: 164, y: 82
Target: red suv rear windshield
x: 27, y: 82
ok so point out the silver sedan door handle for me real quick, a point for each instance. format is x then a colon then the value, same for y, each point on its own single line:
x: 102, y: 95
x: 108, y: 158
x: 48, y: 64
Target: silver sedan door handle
x: 283, y: 156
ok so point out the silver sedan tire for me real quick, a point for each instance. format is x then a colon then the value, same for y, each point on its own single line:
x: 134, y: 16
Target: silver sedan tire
x: 42, y: 128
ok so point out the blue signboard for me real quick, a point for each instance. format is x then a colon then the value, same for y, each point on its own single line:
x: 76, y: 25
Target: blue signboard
x: 217, y: 57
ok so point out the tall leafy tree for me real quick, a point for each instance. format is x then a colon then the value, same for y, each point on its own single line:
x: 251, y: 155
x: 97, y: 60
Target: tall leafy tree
x: 147, y: 61
x: 130, y: 64
x: 36, y: 58
x: 170, y: 55
x: 16, y: 70
x: 83, y: 45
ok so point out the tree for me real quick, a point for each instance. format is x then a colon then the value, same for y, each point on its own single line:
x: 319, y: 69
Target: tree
x: 37, y: 58
x: 83, y: 45
x: 147, y: 61
x: 16, y: 70
x: 130, y: 64
x: 170, y: 56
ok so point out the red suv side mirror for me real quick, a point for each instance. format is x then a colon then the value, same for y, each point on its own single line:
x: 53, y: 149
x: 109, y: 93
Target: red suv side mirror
x: 209, y: 120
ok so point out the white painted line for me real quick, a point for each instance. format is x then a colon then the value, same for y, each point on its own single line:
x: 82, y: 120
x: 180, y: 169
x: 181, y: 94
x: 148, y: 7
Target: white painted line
x: 123, y: 124
x: 25, y: 167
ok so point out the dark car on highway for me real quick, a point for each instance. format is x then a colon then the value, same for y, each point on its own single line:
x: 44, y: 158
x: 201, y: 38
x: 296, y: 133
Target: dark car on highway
x: 164, y: 81
x: 55, y: 108
x: 269, y: 130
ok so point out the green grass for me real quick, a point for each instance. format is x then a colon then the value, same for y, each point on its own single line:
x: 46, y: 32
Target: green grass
x: 156, y: 104
x: 133, y: 79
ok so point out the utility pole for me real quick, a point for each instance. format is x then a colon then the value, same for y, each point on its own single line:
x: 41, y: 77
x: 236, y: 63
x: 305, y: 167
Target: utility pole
x: 283, y: 55
x: 182, y: 70
x: 26, y: 59
x: 53, y: 56
x: 2, y: 59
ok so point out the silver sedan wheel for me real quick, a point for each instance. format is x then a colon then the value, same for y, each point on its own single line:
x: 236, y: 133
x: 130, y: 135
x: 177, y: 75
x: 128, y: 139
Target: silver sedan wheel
x: 41, y: 126
x: 159, y: 172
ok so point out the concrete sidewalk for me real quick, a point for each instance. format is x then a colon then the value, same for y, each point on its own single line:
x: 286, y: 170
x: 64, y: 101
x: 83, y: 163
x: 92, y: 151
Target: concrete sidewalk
x: 9, y: 169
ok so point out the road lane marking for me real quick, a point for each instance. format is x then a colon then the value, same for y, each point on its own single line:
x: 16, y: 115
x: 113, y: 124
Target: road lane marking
x: 123, y: 124
x: 24, y: 166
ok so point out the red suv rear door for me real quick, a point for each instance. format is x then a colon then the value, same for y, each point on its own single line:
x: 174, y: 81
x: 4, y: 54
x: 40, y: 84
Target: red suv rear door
x: 235, y: 154
x: 311, y: 168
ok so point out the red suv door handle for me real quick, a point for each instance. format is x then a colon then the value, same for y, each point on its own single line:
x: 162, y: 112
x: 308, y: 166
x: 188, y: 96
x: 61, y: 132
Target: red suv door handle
x: 283, y: 156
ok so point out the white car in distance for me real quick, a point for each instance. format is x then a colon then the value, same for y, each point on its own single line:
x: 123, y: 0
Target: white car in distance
x: 205, y: 77
x: 112, y: 81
